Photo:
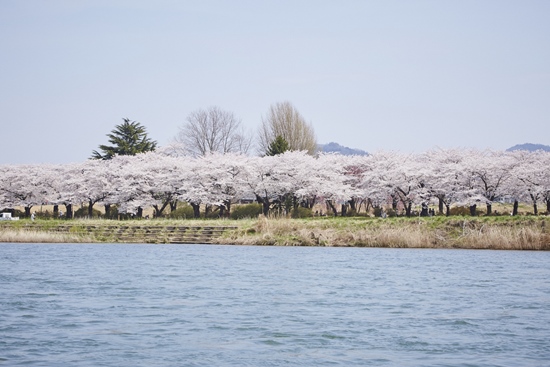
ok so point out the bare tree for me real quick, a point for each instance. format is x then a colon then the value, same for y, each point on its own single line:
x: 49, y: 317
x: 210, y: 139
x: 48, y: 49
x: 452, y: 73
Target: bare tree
x: 284, y: 120
x: 212, y: 130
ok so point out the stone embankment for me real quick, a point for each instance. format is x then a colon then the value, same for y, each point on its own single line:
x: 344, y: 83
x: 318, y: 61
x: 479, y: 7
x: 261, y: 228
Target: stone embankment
x: 143, y: 234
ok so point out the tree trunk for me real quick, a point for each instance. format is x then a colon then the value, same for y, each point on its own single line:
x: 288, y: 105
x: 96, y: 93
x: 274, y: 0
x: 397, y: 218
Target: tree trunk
x: 265, y: 207
x: 228, y: 207
x: 139, y: 214
x: 515, y: 209
x: 173, y: 205
x: 344, y: 210
x: 534, y: 200
x: 90, y: 209
x: 548, y: 206
x: 332, y: 207
x: 473, y: 210
x: 295, y: 202
x: 28, y: 211
x: 394, y: 202
x: 55, y: 211
x: 196, y: 210
x: 353, y: 205
x: 408, y: 209
x: 310, y: 202
x: 447, y: 210
x: 225, y: 208
x: 69, y: 211
x: 265, y: 204
x: 160, y: 210
x: 441, y: 203
x: 107, y: 210
x: 489, y: 208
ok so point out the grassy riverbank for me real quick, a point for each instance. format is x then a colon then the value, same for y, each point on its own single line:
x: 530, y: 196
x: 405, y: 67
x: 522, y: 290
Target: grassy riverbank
x: 520, y: 233
x: 34, y: 236
x: 507, y: 233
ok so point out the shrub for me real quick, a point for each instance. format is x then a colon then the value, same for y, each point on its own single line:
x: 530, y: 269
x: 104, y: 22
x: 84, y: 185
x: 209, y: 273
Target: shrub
x: 82, y: 212
x: 460, y: 210
x: 301, y: 212
x: 183, y: 212
x: 246, y: 211
x: 351, y: 213
x: 113, y: 213
x: 44, y: 215
x: 213, y: 214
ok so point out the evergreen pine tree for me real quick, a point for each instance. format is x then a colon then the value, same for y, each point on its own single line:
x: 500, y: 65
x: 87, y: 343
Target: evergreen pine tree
x: 278, y: 146
x: 128, y: 138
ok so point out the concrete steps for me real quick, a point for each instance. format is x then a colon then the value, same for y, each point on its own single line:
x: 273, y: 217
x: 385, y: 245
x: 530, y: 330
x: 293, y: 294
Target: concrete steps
x: 130, y: 233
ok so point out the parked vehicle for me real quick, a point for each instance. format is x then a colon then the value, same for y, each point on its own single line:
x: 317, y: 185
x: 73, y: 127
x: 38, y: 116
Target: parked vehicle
x: 7, y: 216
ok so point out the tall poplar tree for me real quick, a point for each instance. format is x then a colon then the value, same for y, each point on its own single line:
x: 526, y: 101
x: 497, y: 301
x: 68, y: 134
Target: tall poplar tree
x: 284, y: 119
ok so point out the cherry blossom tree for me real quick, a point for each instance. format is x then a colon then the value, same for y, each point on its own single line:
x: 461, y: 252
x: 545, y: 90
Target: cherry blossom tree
x: 26, y: 185
x: 489, y: 171
x: 96, y: 182
x: 374, y: 180
x: 278, y: 181
x: 335, y: 178
x: 446, y: 177
x: 531, y: 181
x: 161, y: 180
x: 223, y: 178
x: 135, y: 183
x: 263, y: 178
x: 397, y: 176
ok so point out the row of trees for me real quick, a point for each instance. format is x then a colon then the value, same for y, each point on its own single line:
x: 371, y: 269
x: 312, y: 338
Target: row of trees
x: 213, y: 130
x: 441, y: 178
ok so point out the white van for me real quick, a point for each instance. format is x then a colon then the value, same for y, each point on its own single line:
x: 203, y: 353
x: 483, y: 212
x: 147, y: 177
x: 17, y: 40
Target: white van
x: 7, y: 216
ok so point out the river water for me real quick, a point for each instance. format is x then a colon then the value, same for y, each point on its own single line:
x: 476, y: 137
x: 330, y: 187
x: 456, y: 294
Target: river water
x: 204, y: 305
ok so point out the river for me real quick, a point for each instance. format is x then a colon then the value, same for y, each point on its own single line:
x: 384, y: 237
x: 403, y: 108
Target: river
x: 205, y: 305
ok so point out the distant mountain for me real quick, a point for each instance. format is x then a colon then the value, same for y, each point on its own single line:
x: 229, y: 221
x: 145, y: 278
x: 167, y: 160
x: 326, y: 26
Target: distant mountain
x: 529, y: 147
x: 337, y: 148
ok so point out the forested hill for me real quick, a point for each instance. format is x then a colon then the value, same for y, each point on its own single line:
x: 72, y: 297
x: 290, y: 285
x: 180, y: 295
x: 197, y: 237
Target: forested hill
x: 529, y: 147
x: 337, y: 148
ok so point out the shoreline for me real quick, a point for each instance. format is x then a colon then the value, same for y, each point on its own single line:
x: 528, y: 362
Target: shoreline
x: 499, y: 233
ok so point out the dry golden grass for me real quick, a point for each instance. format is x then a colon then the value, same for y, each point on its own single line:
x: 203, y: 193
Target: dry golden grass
x: 505, y: 238
x: 407, y: 233
x: 29, y: 236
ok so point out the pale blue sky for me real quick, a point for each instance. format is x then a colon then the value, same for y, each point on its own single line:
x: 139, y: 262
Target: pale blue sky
x: 393, y: 75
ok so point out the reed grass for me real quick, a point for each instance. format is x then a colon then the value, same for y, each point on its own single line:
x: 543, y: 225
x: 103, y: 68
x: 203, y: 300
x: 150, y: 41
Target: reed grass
x: 485, y: 233
x: 505, y: 238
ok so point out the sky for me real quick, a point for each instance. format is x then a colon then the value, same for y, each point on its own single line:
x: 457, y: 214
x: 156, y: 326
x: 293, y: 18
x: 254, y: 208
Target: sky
x: 406, y: 76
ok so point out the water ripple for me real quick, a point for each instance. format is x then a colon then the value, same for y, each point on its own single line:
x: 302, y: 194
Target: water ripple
x: 143, y: 305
